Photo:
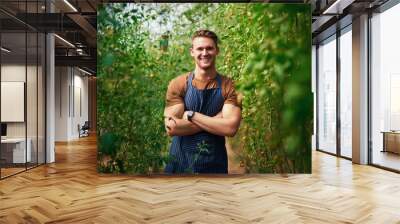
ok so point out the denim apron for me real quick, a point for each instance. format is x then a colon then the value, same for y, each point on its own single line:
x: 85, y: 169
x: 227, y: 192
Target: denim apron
x: 202, y: 152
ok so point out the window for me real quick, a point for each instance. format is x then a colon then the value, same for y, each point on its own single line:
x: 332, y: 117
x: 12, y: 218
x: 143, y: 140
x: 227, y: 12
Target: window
x: 346, y: 92
x: 22, y: 78
x: 385, y: 88
x: 327, y: 95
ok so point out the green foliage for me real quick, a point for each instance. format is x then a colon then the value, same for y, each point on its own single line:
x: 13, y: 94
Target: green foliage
x: 129, y: 94
x: 109, y: 144
x: 265, y: 48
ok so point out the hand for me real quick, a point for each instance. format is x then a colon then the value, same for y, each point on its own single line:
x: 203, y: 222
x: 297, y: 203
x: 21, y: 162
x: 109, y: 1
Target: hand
x: 170, y: 124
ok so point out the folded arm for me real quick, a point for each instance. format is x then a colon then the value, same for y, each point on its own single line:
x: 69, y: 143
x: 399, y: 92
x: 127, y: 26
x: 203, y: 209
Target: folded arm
x: 225, y: 125
x: 175, y: 125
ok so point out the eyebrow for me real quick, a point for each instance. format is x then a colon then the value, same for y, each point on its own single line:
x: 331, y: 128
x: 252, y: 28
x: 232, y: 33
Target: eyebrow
x: 205, y: 47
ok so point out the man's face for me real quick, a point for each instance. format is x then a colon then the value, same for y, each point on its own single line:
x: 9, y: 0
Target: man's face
x: 204, y: 52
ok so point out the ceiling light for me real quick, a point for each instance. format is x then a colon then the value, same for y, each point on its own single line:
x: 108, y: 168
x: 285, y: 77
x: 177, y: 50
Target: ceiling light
x: 5, y: 50
x: 86, y: 72
x: 70, y: 5
x: 64, y: 40
x: 337, y: 7
x: 80, y: 51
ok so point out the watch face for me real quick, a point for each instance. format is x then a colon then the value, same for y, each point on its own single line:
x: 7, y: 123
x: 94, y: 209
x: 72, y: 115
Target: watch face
x: 190, y: 115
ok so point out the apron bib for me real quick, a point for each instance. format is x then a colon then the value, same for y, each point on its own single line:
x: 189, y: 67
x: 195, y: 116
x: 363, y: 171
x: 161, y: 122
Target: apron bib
x: 202, y: 152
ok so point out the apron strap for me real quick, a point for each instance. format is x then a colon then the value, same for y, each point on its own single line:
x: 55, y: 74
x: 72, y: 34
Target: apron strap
x: 190, y: 79
x: 219, y: 81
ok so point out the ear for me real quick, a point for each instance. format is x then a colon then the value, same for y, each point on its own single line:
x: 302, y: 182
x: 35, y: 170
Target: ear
x: 191, y: 51
x: 217, y: 50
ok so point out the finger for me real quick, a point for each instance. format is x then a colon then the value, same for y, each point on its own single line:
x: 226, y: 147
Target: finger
x: 172, y: 119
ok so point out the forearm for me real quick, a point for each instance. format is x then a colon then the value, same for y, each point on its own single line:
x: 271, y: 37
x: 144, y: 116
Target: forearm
x: 215, y: 125
x: 183, y: 127
x: 175, y: 125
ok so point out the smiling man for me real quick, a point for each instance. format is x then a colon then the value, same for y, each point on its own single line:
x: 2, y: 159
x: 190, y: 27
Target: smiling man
x: 201, y: 109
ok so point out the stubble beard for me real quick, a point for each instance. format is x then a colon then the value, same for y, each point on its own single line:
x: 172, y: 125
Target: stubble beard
x: 211, y: 65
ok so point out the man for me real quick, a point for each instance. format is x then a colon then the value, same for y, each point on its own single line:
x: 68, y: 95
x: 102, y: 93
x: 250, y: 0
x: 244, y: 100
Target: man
x: 201, y: 109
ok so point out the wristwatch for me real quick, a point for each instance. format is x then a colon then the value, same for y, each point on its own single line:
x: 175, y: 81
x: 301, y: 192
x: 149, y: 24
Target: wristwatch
x: 190, y: 115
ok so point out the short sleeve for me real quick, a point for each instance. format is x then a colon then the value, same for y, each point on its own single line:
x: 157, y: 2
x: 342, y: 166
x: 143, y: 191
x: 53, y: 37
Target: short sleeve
x: 176, y: 91
x: 230, y: 93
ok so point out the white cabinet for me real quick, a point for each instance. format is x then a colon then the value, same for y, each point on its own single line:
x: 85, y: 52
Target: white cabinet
x: 18, y: 145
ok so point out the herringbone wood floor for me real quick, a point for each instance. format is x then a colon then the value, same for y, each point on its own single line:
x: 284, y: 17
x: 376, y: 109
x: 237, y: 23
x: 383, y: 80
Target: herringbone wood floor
x: 71, y: 191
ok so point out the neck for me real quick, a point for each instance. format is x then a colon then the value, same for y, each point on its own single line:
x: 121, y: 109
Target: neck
x: 205, y: 74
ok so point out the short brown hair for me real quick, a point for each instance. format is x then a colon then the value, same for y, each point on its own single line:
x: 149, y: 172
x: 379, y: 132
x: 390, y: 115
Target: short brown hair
x: 206, y: 33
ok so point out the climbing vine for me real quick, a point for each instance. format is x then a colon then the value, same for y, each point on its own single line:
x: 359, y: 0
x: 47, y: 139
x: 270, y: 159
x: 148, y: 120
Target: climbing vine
x: 265, y: 48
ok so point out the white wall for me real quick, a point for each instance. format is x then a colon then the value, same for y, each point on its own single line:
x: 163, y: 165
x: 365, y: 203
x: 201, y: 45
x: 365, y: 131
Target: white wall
x: 71, y: 94
x: 16, y: 72
x: 62, y: 81
x: 81, y: 103
x: 34, y: 125
x: 13, y: 72
x: 9, y: 73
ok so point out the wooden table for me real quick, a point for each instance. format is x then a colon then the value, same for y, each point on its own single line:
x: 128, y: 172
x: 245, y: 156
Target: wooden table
x: 391, y: 141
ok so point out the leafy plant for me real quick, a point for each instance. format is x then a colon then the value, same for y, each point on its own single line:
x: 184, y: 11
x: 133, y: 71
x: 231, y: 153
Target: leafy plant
x: 265, y: 48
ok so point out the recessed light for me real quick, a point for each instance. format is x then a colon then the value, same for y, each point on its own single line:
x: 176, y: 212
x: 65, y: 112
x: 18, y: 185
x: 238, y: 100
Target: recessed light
x: 70, y: 5
x: 86, y: 72
x: 64, y: 40
x: 337, y: 7
x: 5, y: 50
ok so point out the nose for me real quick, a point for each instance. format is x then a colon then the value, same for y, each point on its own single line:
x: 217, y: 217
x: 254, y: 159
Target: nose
x: 205, y: 52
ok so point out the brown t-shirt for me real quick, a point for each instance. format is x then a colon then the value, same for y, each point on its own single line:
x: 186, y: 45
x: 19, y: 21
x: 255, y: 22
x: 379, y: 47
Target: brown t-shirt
x: 177, y: 89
